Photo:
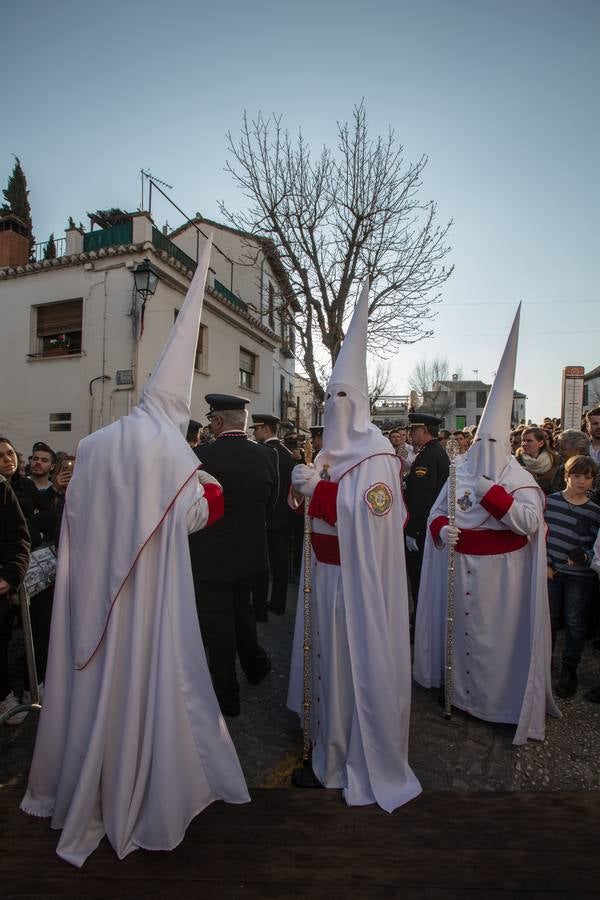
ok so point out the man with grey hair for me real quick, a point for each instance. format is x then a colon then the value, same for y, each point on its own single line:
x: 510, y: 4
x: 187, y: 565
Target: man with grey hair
x: 235, y: 554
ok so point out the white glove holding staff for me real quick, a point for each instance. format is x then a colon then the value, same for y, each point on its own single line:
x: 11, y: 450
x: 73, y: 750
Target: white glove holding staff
x: 305, y: 479
x: 450, y: 534
x: 411, y: 544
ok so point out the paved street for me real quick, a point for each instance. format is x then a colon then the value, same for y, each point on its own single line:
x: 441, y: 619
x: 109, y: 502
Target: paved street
x: 461, y: 755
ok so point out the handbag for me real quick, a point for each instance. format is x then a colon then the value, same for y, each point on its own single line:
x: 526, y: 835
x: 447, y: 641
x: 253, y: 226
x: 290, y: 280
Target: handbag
x: 41, y: 573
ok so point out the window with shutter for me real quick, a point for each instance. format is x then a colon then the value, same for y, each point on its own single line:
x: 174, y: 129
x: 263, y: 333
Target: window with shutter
x: 247, y: 369
x: 58, y: 328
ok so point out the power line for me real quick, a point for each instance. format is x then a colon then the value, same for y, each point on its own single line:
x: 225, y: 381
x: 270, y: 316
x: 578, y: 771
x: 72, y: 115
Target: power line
x: 500, y: 333
x: 524, y: 302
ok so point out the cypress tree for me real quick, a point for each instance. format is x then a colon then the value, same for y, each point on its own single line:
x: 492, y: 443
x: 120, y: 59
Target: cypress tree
x: 50, y: 249
x: 17, y: 199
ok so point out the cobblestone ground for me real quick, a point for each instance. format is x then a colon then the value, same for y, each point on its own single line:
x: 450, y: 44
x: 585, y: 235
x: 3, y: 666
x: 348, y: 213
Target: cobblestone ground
x: 463, y: 754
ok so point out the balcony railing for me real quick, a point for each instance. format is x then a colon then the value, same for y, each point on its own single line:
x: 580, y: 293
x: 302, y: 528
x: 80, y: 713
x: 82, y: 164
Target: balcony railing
x: 229, y: 295
x: 40, y: 251
x: 163, y: 243
x: 108, y: 237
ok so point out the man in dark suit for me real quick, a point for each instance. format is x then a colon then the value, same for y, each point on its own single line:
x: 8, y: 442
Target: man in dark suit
x: 425, y: 480
x: 226, y: 562
x: 265, y: 432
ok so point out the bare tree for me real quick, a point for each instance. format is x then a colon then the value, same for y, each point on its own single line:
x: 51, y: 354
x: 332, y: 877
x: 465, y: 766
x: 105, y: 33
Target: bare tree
x: 427, y: 380
x: 335, y: 219
x: 378, y: 382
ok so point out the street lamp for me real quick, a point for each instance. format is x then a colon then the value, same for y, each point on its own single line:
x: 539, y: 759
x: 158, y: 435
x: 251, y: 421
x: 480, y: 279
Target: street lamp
x: 146, y: 281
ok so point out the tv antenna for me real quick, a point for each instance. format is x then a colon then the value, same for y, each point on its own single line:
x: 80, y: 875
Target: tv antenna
x: 153, y: 181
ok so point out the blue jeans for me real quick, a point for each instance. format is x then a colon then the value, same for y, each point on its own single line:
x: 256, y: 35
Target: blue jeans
x: 569, y: 596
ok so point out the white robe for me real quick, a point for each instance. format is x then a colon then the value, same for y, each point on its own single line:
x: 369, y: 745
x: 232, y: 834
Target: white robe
x: 360, y: 648
x: 502, y: 640
x: 133, y: 745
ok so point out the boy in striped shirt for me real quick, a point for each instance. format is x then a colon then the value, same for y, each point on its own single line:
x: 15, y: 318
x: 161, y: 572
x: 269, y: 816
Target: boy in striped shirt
x: 573, y: 522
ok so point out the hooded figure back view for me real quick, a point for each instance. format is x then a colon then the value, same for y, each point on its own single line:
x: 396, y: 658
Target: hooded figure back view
x: 360, y: 647
x: 502, y: 640
x: 131, y: 743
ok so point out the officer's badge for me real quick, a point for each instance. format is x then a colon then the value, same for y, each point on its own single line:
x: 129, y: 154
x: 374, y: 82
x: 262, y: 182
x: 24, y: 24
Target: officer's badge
x: 379, y: 499
x: 464, y: 502
x: 421, y: 471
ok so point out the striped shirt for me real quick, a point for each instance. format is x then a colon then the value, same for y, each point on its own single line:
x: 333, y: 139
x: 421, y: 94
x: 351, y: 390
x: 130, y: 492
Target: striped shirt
x: 569, y: 528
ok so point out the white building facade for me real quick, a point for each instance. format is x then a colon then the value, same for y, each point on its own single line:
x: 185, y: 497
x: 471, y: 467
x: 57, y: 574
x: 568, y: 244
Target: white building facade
x: 75, y: 356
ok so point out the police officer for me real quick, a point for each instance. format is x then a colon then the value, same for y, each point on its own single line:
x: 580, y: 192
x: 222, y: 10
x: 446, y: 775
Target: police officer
x: 232, y: 553
x: 265, y: 432
x: 316, y: 436
x: 425, y: 480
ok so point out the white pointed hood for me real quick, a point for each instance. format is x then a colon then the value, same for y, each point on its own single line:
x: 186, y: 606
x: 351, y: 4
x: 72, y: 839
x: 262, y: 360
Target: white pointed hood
x: 131, y: 473
x: 168, y: 391
x: 490, y: 453
x: 349, y: 435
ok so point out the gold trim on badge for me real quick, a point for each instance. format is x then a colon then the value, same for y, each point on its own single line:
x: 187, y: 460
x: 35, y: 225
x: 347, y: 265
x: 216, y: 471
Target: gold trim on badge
x: 379, y: 499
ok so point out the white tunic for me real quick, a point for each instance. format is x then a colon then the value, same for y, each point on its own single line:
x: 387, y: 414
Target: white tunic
x: 502, y: 639
x: 360, y: 647
x: 133, y: 745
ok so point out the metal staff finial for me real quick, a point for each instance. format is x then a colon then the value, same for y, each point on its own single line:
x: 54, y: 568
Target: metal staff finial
x: 452, y: 449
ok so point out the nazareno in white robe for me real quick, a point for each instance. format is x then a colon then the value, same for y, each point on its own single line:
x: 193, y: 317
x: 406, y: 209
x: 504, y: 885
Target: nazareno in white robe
x: 502, y: 640
x: 360, y: 647
x: 131, y: 742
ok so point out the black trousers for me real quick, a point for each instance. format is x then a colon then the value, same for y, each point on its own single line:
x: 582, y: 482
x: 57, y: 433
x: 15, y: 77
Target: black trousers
x: 414, y: 564
x: 228, y: 628
x: 278, y: 550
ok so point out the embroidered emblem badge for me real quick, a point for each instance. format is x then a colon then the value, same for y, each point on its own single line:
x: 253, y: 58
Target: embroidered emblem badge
x: 379, y: 499
x: 464, y: 502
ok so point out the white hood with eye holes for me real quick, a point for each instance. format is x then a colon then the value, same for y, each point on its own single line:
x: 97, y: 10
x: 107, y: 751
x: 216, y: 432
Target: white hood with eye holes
x: 349, y: 435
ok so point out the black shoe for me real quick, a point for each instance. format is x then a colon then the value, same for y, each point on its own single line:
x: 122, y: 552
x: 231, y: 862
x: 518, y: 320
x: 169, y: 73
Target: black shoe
x: 593, y: 695
x: 304, y: 777
x: 567, y: 682
x: 257, y: 676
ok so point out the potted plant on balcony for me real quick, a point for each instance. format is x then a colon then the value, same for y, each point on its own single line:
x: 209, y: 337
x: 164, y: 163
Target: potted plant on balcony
x: 57, y: 345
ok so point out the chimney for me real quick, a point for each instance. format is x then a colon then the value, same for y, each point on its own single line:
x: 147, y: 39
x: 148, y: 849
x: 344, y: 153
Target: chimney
x: 455, y: 378
x: 14, y: 242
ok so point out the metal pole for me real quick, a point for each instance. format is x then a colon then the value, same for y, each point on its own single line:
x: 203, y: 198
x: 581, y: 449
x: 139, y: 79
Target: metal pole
x: 307, y: 668
x: 451, y: 450
x: 29, y: 658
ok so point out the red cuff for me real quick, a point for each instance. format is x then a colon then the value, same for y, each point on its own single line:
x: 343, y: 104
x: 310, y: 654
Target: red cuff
x: 497, y: 501
x: 436, y: 526
x: 323, y: 504
x: 213, y: 495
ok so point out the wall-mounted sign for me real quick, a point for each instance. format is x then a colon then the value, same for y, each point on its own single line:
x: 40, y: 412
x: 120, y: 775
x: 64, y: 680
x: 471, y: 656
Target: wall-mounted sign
x: 124, y: 378
x: 572, y: 397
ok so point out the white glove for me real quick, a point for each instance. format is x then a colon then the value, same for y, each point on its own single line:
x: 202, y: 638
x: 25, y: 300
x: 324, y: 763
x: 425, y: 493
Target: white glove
x: 482, y: 486
x: 411, y: 544
x: 449, y: 534
x: 305, y: 479
x: 205, y: 478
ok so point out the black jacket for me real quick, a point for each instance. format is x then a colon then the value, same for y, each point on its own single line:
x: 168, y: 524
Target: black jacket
x: 38, y: 509
x: 423, y: 483
x: 278, y: 517
x: 14, y: 539
x: 235, y: 547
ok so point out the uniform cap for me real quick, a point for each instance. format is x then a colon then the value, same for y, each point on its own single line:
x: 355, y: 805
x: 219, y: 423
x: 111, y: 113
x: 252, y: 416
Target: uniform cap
x: 224, y: 402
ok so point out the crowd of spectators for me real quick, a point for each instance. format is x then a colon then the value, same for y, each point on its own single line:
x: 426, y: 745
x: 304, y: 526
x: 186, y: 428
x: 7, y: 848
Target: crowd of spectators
x: 32, y: 502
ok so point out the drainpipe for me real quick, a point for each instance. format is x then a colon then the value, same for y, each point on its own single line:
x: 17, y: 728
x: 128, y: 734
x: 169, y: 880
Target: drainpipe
x: 101, y: 378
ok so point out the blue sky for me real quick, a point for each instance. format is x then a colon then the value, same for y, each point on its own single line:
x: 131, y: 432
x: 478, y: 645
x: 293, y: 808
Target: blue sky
x: 502, y: 97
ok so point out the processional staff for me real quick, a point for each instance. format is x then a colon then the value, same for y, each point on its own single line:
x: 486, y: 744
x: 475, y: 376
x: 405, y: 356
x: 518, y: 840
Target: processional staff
x: 452, y: 450
x: 307, y: 685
